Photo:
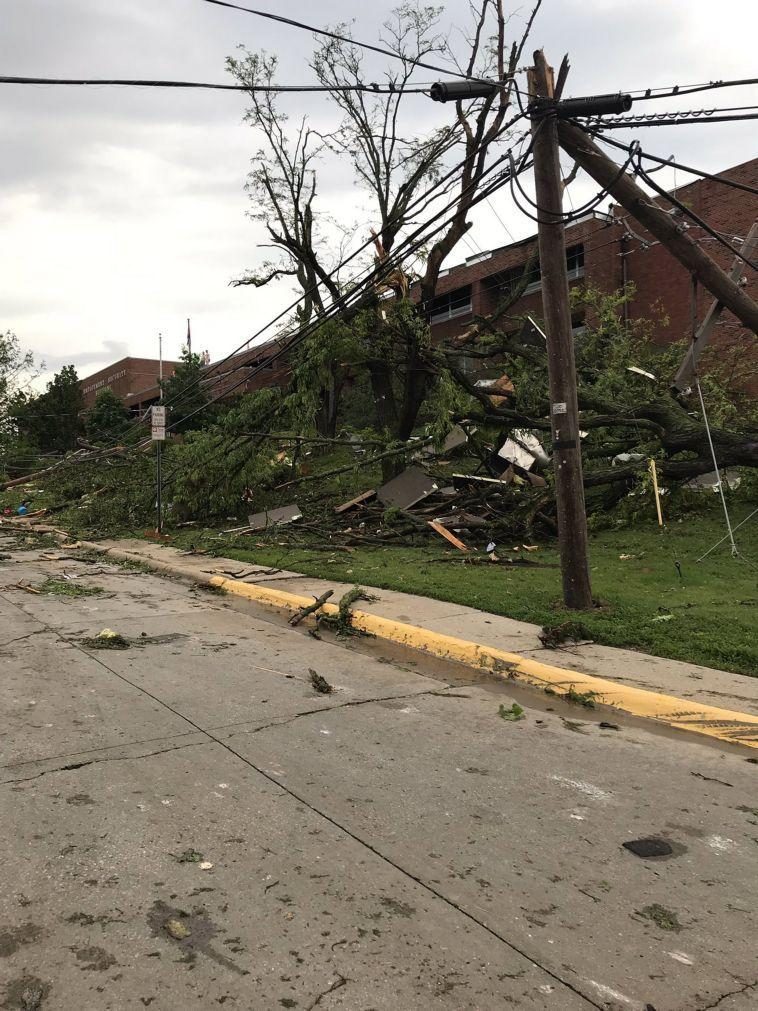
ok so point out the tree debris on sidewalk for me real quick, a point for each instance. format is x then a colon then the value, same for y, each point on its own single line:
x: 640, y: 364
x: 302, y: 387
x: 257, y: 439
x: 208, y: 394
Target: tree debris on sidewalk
x: 342, y: 622
x: 512, y: 713
x: 107, y: 639
x: 553, y: 636
x: 320, y: 683
x: 311, y: 608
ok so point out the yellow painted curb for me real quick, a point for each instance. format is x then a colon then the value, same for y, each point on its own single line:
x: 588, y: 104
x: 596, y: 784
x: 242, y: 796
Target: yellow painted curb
x: 722, y: 724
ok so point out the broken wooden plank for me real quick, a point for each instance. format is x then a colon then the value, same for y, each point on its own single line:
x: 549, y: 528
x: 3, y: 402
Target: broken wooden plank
x: 407, y: 489
x: 367, y: 496
x: 444, y: 532
x: 465, y: 480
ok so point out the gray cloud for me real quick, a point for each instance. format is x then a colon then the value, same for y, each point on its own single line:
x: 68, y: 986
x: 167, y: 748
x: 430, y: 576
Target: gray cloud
x: 122, y: 212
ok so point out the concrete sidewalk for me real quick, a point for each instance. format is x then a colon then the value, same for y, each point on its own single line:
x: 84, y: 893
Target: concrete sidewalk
x: 638, y: 670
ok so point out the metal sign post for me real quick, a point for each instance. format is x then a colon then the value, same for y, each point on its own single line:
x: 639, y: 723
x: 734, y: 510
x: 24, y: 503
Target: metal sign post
x: 158, y: 435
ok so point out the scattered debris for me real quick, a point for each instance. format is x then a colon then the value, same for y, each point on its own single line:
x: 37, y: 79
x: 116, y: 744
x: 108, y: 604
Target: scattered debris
x: 649, y: 849
x: 728, y: 478
x: 467, y: 480
x: 553, y: 636
x: 177, y: 929
x: 444, y: 532
x: 320, y: 683
x: 107, y: 639
x: 498, y: 390
x: 586, y: 699
x: 407, y: 489
x: 189, y: 857
x: 311, y: 608
x: 640, y: 372
x: 664, y: 918
x: 524, y: 449
x: 342, y: 622
x: 710, y: 779
x: 66, y: 588
x: 367, y: 496
x: 514, y: 713
x: 273, y: 517
x: 627, y: 458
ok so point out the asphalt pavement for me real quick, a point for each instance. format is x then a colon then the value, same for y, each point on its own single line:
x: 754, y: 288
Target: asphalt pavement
x: 188, y: 822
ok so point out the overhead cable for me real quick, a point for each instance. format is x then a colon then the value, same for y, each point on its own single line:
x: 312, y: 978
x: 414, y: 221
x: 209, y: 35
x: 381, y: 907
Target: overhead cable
x: 663, y: 162
x: 381, y: 89
x: 646, y: 94
x: 343, y: 38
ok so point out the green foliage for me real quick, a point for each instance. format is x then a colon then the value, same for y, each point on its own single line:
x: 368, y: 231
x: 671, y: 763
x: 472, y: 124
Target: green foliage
x: 184, y: 393
x: 211, y: 468
x: 586, y: 699
x: 53, y: 420
x: 108, y: 419
x: 68, y: 588
x: 513, y: 713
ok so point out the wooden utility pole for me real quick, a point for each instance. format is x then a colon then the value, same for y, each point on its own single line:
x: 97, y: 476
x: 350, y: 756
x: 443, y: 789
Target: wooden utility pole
x: 667, y: 229
x: 564, y: 411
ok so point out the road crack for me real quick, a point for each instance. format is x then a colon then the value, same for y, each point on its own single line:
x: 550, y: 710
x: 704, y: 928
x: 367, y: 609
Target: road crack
x: 726, y: 996
x: 325, y: 993
x: 285, y: 721
x: 97, y: 761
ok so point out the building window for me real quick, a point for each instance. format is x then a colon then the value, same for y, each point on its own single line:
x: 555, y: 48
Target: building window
x: 506, y: 281
x: 575, y: 261
x: 444, y: 307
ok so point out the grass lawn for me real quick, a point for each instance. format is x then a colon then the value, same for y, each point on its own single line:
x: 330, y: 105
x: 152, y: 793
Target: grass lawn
x: 713, y: 607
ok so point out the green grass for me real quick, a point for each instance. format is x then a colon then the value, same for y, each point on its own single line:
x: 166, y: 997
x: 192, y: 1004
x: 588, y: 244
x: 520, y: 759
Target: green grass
x: 713, y: 607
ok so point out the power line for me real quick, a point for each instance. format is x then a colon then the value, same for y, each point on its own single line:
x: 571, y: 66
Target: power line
x: 675, y: 164
x: 684, y: 209
x: 687, y: 89
x: 275, y: 88
x: 670, y: 119
x: 343, y: 38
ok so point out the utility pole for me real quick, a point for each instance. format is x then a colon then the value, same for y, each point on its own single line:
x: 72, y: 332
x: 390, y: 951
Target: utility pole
x: 564, y: 410
x: 669, y: 231
x: 189, y: 340
x: 686, y: 374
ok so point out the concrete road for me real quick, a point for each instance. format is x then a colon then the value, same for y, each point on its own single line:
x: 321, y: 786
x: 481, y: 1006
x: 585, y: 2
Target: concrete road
x: 188, y: 823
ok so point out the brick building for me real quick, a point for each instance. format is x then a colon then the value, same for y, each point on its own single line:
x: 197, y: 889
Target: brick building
x: 129, y: 379
x: 608, y: 250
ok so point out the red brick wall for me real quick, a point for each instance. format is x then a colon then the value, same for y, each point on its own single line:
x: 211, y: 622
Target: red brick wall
x: 660, y: 278
x: 128, y: 376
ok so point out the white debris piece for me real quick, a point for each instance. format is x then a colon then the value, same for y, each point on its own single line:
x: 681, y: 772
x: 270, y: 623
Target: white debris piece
x: 627, y: 458
x: 523, y: 448
x: 730, y: 479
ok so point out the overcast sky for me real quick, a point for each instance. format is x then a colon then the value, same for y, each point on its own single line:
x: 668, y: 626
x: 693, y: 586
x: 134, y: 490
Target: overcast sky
x: 123, y: 212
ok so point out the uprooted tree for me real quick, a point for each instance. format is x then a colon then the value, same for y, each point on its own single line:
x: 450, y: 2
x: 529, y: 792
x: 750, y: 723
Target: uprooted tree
x: 628, y: 416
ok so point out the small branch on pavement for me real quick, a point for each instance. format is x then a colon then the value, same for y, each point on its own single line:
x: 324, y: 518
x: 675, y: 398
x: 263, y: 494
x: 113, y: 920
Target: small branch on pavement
x: 305, y: 611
